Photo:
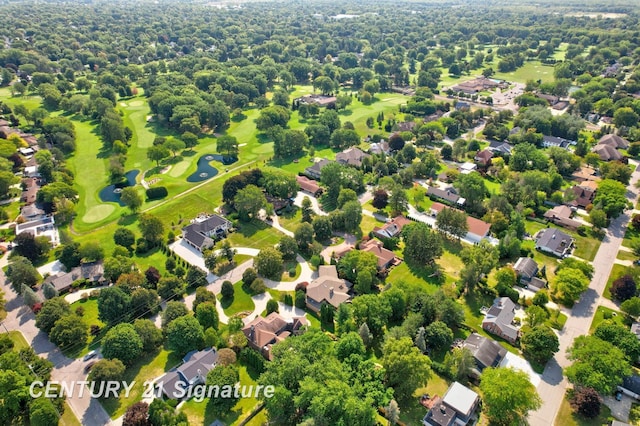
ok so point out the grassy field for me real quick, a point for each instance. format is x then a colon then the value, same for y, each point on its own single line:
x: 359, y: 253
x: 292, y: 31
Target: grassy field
x: 532, y: 70
x: 90, y: 317
x: 146, y: 368
x: 197, y: 411
x: 240, y: 302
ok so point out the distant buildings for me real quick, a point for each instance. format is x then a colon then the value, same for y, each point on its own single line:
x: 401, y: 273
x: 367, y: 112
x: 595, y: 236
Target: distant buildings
x: 499, y: 319
x: 352, y: 157
x: 479, y: 84
x: 483, y: 158
x: 263, y: 333
x: 447, y: 195
x: 583, y: 193
x: 319, y: 100
x: 549, y: 141
x: 203, y: 230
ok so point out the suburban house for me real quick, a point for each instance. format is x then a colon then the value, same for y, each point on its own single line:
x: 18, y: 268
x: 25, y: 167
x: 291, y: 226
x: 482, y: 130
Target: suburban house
x: 352, y: 157
x: 561, y: 216
x: 549, y: 98
x: 486, y: 352
x: 314, y: 171
x: 90, y: 271
x: 193, y: 371
x: 483, y: 158
x: 263, y: 333
x: 499, y: 319
x: 278, y: 203
x: 405, y: 126
x: 549, y: 141
x: 31, y: 212
x: 607, y: 152
x: 42, y: 227
x: 386, y: 258
x: 31, y: 187
x: 381, y: 147
x: 466, y: 168
x: 584, y: 174
x: 327, y: 288
x: 203, y: 230
x: 527, y: 270
x: 614, y: 141
x: 458, y: 406
x: 309, y: 185
x: 631, y: 386
x: 448, y: 195
x: 554, y: 241
x: 476, y: 228
x: 501, y: 148
x: 583, y: 193
x: 479, y: 84
x: 392, y: 228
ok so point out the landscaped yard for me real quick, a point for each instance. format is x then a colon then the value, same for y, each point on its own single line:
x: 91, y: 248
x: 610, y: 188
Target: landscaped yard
x: 604, y: 313
x: 616, y: 272
x: 90, y: 317
x: 413, y: 412
x: 567, y: 417
x: 255, y: 234
x: 626, y: 255
x: 240, y: 302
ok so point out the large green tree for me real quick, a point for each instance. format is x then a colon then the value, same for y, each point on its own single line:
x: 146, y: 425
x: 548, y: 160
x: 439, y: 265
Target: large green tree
x: 507, y: 395
x: 406, y: 367
x: 122, y: 342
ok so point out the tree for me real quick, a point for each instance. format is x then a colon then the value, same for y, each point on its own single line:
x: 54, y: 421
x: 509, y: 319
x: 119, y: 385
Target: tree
x: 539, y: 344
x: 130, y: 197
x: 398, y: 200
x: 42, y: 412
x: 620, y: 336
x: 49, y: 291
x: 611, y: 197
x: 352, y: 216
x: 150, y: 335
x: 174, y: 145
x: 223, y: 376
x: 136, y: 415
x: 124, y: 237
x: 380, y: 199
x: 343, y: 139
x: 151, y: 227
x: 307, y: 210
x: 173, y: 310
x: 21, y: 272
x: 52, y: 310
x: 170, y: 287
x: 113, y: 305
x: 624, y: 288
x: 248, y: 202
x: 472, y: 188
x: 144, y: 302
x: 452, y: 222
x: 228, y: 145
x: 275, y: 115
x: 478, y: 260
x: 272, y: 306
x: 122, y: 342
x: 349, y: 344
x: 29, y: 296
x: 207, y: 315
x: 569, y: 285
x: 69, y: 255
x: 69, y: 332
x: 157, y: 153
x: 374, y: 311
x: 586, y: 401
x: 438, y: 335
x: 536, y: 316
x: 507, y: 395
x: 269, y: 263
x: 226, y: 357
x: 631, y: 306
x: 106, y: 370
x: 392, y: 412
x: 322, y: 228
x: 161, y: 413
x: 405, y: 367
x: 460, y: 363
x: 185, y: 334
x: 598, y: 218
x: 227, y: 290
x: 422, y: 246
x: 203, y: 295
x: 303, y: 237
x: 30, y: 247
x: 196, y: 277
x: 625, y: 117
x: 359, y: 267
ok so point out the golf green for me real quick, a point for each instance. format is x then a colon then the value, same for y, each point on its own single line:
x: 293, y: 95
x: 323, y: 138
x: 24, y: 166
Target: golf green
x: 97, y: 213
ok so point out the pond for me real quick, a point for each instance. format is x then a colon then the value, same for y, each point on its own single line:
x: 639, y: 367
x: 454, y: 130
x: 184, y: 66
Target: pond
x: 206, y: 170
x: 111, y: 193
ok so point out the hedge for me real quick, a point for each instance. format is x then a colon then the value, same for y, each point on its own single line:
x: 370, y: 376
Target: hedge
x: 157, y: 192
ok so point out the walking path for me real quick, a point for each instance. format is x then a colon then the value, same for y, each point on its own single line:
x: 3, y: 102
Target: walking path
x: 554, y: 384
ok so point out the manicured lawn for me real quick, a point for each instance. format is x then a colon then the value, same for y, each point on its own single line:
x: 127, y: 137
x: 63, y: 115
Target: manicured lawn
x: 368, y: 223
x: 68, y: 418
x: 586, y: 247
x: 532, y: 70
x: 626, y: 255
x: 19, y: 342
x: 203, y: 413
x: 403, y: 272
x: 603, y: 313
x: 556, y: 319
x: 241, y: 301
x: 616, y: 272
x: 255, y: 234
x: 291, y: 219
x: 567, y: 417
x: 412, y: 412
x: 146, y: 368
x: 291, y: 265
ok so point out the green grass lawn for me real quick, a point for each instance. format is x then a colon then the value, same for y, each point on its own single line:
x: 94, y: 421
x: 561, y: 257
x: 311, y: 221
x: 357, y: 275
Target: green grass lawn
x: 626, y: 255
x: 90, y: 317
x: 616, y: 272
x: 255, y: 234
x: 586, y: 246
x: 567, y: 417
x: 146, y: 368
x: 412, y: 412
x: 68, y: 418
x: 532, y: 70
x: 603, y: 313
x: 203, y: 413
x: 19, y: 342
x: 241, y: 301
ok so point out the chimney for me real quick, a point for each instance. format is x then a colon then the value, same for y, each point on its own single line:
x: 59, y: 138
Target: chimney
x: 330, y: 292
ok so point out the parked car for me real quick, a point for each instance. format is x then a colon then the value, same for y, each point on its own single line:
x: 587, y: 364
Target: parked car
x: 88, y: 367
x: 90, y: 355
x: 618, y: 396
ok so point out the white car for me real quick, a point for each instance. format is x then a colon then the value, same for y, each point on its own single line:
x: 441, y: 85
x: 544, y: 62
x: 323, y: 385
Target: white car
x: 90, y: 355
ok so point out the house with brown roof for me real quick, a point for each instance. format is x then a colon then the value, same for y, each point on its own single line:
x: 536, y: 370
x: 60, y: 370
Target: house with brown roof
x: 30, y: 192
x: 614, y: 140
x: 327, y: 288
x: 583, y: 194
x: 561, y: 215
x: 477, y: 85
x: 352, y: 157
x: 607, y: 152
x: 585, y: 173
x: 392, y: 228
x: 309, y: 185
x: 263, y: 333
x: 499, y: 319
x: 386, y: 258
x: 483, y: 158
x: 319, y: 100
x: 477, y: 229
x: 448, y: 195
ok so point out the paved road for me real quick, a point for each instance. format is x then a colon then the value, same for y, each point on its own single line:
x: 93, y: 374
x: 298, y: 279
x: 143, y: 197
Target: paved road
x: 553, y: 385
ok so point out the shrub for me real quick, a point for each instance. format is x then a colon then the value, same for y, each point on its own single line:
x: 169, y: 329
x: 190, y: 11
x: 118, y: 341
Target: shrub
x: 302, y: 286
x: 258, y: 287
x: 80, y: 311
x: 227, y: 290
x: 301, y: 299
x: 287, y: 299
x: 157, y: 192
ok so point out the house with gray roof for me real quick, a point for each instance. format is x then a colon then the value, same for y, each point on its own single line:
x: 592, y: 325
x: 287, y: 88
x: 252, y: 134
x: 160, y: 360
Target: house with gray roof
x: 351, y: 157
x: 486, y: 352
x: 204, y: 230
x: 501, y: 148
x: 554, y: 241
x: 315, y: 171
x: 549, y: 141
x: 499, y: 319
x: 193, y: 371
x: 90, y: 271
x: 448, y: 195
x: 459, y: 406
x: 527, y: 270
